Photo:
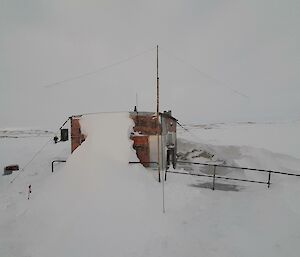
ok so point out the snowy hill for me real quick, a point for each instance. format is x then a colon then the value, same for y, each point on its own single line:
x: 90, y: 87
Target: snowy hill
x: 99, y: 205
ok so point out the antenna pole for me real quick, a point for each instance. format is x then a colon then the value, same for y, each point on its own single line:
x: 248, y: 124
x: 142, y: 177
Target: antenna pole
x: 157, y: 115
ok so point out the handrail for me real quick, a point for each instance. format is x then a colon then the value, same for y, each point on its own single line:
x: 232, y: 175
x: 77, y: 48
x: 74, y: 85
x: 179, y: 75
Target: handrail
x: 232, y: 167
x: 214, y: 176
x: 222, y: 177
x: 52, y: 164
x: 137, y: 162
x: 242, y: 168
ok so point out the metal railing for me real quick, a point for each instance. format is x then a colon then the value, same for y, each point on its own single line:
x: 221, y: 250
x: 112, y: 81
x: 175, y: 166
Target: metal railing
x: 214, y: 176
x: 52, y: 164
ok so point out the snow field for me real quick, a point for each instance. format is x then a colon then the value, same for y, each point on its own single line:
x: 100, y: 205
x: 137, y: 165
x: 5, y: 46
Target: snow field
x: 98, y: 205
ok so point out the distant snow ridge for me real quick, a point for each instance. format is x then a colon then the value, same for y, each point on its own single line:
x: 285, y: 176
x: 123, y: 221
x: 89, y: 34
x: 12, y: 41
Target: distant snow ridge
x: 19, y: 133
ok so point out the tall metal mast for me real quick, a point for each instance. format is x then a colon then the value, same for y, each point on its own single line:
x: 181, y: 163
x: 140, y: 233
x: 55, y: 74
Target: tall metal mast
x: 157, y: 115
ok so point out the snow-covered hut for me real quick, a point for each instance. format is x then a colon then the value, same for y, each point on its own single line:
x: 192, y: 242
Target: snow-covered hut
x: 144, y: 135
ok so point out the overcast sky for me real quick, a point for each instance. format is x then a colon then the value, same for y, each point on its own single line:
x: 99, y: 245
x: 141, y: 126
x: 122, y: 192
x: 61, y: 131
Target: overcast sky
x: 219, y: 60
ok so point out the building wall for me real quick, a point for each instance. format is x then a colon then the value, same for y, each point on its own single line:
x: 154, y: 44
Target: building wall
x: 146, y: 126
x: 144, y: 138
x: 170, y: 124
x: 76, y: 136
x: 141, y: 145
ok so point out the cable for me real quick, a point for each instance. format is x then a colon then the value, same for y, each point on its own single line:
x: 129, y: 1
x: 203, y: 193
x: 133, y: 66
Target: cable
x: 36, y: 154
x: 218, y: 82
x: 31, y: 160
x: 50, y: 85
x: 104, y: 112
x: 192, y: 134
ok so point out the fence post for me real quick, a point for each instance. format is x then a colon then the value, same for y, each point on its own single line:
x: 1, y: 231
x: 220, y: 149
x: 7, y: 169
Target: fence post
x: 269, y: 179
x: 214, y: 178
x: 166, y: 174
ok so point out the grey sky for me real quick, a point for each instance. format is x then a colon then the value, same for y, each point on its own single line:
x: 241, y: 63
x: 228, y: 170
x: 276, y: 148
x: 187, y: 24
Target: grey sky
x: 248, y: 46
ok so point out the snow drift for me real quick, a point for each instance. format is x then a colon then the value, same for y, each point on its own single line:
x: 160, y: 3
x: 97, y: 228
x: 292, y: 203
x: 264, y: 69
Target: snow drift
x: 98, y: 205
x: 92, y: 206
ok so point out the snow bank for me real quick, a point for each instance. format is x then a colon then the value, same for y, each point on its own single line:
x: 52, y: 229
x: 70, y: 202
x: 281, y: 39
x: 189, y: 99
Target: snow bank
x: 280, y: 137
x: 93, y: 205
x: 98, y: 205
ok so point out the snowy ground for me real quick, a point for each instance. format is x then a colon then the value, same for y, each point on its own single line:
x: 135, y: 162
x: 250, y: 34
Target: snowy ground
x: 98, y: 205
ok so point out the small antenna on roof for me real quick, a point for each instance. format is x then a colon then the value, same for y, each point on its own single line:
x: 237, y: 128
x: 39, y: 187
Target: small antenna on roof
x: 136, y: 101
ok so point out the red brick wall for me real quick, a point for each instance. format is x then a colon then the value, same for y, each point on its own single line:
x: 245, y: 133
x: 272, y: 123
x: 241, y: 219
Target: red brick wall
x: 145, y: 124
x: 76, y: 136
x: 141, y: 145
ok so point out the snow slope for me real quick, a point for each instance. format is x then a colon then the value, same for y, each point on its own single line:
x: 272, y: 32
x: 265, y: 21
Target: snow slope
x: 99, y: 205
x: 278, y: 137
